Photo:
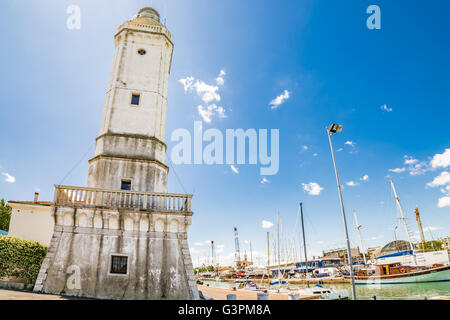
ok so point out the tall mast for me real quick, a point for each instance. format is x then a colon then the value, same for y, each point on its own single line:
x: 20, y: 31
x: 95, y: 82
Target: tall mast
x: 237, y: 255
x: 358, y: 227
x: 268, y: 258
x: 405, y: 225
x: 304, y: 241
x: 419, y: 222
x: 278, y: 240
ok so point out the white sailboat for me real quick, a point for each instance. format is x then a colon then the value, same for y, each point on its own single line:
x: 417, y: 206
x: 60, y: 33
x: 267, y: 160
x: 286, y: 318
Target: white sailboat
x: 407, y: 266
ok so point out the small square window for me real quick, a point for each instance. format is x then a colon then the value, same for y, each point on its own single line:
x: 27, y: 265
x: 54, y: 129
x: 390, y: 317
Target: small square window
x: 135, y: 99
x: 119, y: 265
x: 126, y: 185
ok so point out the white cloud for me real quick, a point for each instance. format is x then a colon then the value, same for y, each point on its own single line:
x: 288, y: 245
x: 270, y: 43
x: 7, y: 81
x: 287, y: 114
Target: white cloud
x: 340, y: 149
x: 208, y: 112
x: 441, y: 160
x: 365, y: 178
x: 220, y: 80
x: 398, y: 170
x: 384, y: 107
x: 351, y: 184
x: 431, y: 228
x: 418, y: 168
x: 350, y: 143
x: 410, y: 160
x: 208, y: 94
x: 442, y: 180
x: 199, y: 244
x: 267, y: 224
x: 9, y: 178
x: 312, y: 188
x: 444, y: 202
x: 264, y: 181
x: 187, y: 83
x: 275, y: 103
x: 234, y: 169
x: 315, y: 154
x: 305, y: 147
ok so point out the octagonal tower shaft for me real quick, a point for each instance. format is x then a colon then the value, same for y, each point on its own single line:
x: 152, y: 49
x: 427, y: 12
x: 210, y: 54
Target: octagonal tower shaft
x: 130, y: 151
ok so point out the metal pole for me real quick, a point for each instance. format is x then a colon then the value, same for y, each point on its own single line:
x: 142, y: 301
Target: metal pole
x: 268, y: 258
x: 304, y: 244
x: 352, y: 275
x: 358, y: 227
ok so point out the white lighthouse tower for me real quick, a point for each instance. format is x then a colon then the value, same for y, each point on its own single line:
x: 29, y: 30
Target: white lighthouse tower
x: 130, y: 150
x: 123, y: 236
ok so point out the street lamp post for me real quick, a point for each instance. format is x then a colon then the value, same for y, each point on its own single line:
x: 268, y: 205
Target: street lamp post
x: 330, y: 131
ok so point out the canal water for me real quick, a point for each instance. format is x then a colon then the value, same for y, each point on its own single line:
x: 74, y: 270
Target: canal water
x: 413, y: 291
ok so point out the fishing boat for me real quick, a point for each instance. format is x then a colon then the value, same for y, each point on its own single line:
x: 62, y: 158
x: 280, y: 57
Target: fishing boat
x: 407, y: 266
x: 397, y: 273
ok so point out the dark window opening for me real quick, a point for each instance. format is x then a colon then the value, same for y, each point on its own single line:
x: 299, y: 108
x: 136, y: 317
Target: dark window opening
x: 119, y: 265
x: 142, y: 52
x: 135, y: 99
x: 126, y: 185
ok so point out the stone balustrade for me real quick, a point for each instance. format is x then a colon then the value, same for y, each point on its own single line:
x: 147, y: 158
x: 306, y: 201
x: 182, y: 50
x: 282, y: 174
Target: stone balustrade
x: 120, y: 199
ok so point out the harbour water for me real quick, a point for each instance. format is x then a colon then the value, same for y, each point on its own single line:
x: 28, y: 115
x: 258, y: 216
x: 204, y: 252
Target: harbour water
x: 416, y: 291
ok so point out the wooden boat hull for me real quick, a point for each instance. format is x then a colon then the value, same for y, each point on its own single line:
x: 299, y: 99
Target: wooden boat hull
x: 429, y: 275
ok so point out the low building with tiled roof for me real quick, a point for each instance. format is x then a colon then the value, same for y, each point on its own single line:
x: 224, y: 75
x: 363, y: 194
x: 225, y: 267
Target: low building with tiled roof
x: 32, y: 220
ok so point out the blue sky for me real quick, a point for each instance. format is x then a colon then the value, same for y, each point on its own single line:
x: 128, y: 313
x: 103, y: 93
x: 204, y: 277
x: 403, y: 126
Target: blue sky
x: 53, y: 83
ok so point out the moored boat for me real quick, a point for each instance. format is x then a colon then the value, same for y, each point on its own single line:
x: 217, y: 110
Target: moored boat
x: 396, y: 274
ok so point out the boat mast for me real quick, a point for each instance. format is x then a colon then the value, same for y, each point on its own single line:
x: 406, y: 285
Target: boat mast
x: 419, y: 222
x: 304, y: 242
x: 405, y: 225
x: 358, y: 227
x: 278, y: 244
x: 268, y: 258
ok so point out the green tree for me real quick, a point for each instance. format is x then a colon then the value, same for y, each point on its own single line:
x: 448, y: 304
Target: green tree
x: 5, y: 215
x: 431, y: 245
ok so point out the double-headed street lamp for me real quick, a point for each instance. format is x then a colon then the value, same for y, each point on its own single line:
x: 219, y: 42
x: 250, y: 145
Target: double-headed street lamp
x: 334, y: 128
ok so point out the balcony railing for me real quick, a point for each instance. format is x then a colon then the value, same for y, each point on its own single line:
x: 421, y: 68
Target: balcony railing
x: 119, y: 199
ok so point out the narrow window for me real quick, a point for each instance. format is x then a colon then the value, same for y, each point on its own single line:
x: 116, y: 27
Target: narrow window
x: 119, y: 265
x: 135, y: 99
x: 142, y: 52
x: 126, y: 185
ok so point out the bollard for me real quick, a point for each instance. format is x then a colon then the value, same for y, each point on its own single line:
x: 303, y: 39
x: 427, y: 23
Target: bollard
x: 263, y: 296
x: 231, y: 296
x: 293, y: 296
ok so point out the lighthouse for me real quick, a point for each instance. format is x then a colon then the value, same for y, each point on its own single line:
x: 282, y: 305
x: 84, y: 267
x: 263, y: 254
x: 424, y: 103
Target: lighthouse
x: 123, y: 236
x: 130, y: 150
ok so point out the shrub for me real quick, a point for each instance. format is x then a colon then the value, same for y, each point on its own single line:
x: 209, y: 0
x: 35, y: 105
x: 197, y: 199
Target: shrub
x: 21, y: 258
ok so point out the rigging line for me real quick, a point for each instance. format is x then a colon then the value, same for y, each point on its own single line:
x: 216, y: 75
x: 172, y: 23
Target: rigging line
x: 178, y: 179
x: 78, y: 162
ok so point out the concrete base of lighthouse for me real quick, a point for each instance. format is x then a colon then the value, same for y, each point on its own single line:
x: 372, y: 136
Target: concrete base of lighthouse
x: 78, y: 262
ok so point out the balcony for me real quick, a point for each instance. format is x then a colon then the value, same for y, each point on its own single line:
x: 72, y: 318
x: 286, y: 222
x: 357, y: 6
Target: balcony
x: 119, y: 199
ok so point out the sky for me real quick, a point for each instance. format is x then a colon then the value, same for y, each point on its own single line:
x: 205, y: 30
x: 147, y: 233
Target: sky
x: 295, y: 66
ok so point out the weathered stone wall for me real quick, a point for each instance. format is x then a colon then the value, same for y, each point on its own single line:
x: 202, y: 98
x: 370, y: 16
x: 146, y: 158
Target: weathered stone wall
x: 135, y: 132
x: 159, y: 261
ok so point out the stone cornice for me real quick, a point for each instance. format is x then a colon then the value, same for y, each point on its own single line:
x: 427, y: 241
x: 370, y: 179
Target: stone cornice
x: 128, y: 135
x: 129, y: 159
